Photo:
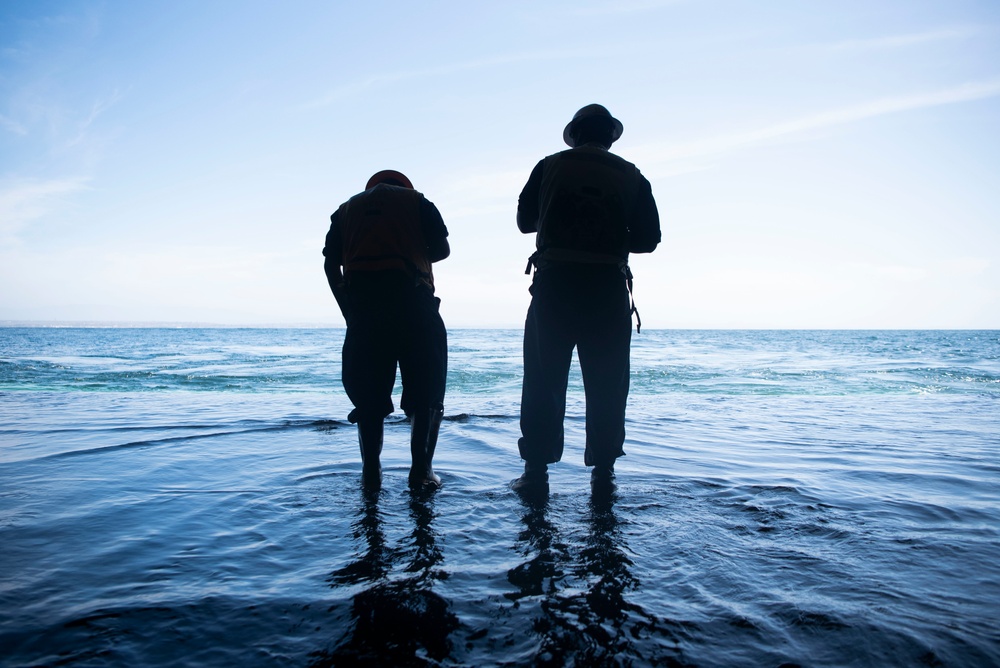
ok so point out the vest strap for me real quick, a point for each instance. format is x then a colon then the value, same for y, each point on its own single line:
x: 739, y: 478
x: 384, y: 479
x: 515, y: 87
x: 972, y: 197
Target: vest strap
x: 631, y: 296
x: 532, y: 262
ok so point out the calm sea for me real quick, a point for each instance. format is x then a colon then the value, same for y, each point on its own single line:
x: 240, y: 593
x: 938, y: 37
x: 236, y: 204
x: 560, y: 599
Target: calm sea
x: 190, y: 497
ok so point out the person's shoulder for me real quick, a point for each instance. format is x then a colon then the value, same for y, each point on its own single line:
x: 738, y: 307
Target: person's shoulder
x: 356, y: 198
x: 614, y: 157
x: 563, y: 153
x: 548, y: 158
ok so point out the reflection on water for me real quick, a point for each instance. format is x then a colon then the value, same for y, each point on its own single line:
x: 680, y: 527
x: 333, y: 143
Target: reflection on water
x: 394, y: 620
x: 584, y: 616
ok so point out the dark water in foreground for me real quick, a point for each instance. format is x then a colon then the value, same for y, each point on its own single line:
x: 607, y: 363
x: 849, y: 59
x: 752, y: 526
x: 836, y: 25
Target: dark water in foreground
x: 190, y: 497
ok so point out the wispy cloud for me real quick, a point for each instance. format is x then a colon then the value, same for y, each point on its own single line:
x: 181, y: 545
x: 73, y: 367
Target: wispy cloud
x: 96, y: 110
x: 896, y: 41
x: 11, y: 125
x: 662, y: 153
x: 27, y: 200
x: 621, y: 7
x: 389, y: 78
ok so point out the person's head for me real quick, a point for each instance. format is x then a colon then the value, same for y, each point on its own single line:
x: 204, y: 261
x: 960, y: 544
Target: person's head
x: 389, y: 177
x: 593, y: 124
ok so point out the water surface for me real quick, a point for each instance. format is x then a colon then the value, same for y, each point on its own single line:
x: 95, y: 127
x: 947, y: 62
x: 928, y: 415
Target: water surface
x: 190, y: 497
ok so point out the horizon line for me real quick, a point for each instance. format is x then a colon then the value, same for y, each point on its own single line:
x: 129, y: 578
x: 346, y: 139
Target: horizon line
x: 154, y: 324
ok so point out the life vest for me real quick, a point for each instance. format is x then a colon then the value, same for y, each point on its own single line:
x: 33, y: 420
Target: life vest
x: 587, y: 200
x: 381, y: 231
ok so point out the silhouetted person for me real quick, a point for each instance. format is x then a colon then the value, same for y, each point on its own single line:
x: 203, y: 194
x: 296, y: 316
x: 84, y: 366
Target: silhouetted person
x: 590, y: 209
x: 379, y: 252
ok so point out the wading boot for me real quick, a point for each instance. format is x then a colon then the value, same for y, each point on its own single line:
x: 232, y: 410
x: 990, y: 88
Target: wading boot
x: 370, y: 438
x: 534, y: 479
x: 602, y: 478
x: 424, y: 427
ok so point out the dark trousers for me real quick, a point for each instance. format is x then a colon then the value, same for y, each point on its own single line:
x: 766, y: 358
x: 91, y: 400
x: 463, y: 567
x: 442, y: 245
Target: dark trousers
x: 392, y: 322
x: 586, y: 307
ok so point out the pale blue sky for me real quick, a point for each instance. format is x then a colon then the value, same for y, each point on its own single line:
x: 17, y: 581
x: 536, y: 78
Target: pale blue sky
x: 816, y: 164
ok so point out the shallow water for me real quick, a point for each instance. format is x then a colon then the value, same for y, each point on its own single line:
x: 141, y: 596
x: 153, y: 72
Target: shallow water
x: 190, y: 497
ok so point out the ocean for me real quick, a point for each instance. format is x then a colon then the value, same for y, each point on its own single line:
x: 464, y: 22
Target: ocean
x: 190, y: 497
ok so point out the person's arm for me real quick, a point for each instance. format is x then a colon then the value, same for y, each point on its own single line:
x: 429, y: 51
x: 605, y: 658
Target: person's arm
x: 644, y: 232
x: 333, y: 253
x: 434, y: 230
x: 527, y: 202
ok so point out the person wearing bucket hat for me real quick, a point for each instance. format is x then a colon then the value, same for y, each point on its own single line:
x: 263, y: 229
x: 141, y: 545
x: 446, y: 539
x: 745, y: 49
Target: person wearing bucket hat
x: 379, y: 252
x: 588, y: 209
x: 593, y: 117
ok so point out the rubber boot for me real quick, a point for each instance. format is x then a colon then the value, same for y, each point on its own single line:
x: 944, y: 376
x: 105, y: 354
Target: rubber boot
x: 602, y: 478
x: 424, y: 427
x: 534, y: 478
x: 370, y: 439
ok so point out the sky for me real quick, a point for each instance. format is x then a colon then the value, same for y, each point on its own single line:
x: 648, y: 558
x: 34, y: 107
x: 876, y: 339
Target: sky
x: 820, y: 164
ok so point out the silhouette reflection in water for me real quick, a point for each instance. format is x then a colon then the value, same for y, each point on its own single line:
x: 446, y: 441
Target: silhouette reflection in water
x: 581, y: 592
x: 395, y: 619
